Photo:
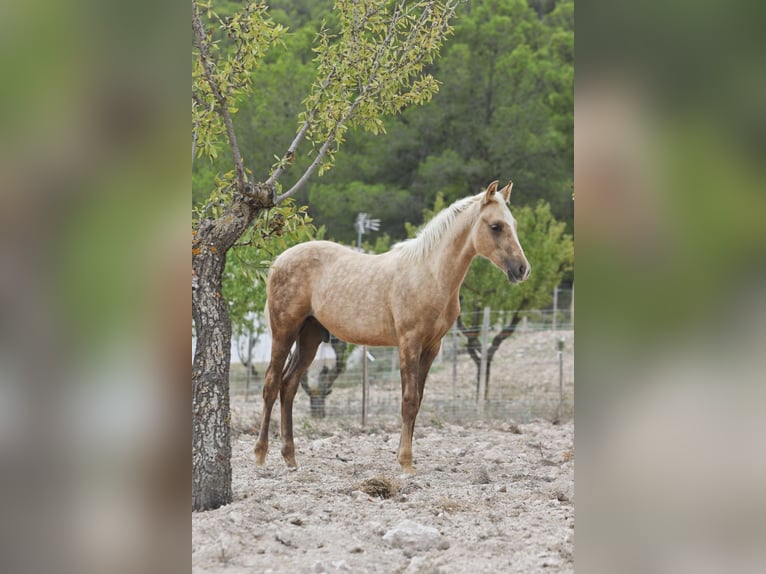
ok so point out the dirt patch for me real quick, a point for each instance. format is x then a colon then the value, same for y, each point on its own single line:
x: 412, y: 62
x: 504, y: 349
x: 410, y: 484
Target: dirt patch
x: 500, y: 496
x: 380, y: 487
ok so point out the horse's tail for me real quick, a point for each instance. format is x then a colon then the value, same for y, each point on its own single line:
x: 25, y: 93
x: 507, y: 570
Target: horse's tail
x: 267, y: 317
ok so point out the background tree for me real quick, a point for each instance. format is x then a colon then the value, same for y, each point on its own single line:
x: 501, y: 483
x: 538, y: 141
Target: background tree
x: 371, y: 64
x: 327, y: 376
x: 550, y: 252
x: 505, y: 106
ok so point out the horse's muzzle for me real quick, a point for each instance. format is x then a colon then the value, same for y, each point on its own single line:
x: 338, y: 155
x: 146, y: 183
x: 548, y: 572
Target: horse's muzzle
x: 518, y: 272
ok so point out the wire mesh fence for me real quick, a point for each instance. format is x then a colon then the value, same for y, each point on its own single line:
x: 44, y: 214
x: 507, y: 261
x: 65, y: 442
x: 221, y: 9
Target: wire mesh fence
x: 530, y: 375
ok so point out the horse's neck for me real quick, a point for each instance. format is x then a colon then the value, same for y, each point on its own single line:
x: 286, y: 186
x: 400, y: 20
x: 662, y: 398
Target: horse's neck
x: 452, y: 256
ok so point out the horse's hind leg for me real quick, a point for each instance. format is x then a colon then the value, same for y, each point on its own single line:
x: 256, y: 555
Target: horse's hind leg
x: 311, y: 335
x: 280, y: 348
x: 415, y: 364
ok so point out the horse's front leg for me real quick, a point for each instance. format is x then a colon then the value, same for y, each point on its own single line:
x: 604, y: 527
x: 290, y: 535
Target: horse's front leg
x: 409, y: 359
x: 426, y: 360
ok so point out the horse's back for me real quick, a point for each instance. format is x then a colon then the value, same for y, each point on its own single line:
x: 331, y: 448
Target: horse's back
x: 308, y: 261
x: 347, y: 291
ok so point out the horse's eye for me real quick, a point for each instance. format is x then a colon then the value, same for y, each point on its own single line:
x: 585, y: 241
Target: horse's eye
x: 495, y: 226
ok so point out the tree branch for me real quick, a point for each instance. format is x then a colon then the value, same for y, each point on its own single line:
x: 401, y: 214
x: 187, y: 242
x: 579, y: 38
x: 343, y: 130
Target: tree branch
x: 472, y: 340
x: 208, y: 65
x: 305, y: 383
x: 364, y: 93
x: 290, y: 153
x: 292, y: 148
x: 194, y: 139
x: 327, y: 378
x: 506, y: 331
x: 322, y: 151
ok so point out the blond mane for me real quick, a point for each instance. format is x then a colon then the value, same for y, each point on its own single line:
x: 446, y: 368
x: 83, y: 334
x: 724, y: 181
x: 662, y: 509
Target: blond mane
x: 419, y: 247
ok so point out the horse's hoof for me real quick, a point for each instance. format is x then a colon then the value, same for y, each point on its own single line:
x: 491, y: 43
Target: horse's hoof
x: 288, y: 455
x: 260, y: 457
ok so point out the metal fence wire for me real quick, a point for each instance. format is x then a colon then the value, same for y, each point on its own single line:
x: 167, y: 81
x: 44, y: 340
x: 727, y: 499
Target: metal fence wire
x: 531, y: 375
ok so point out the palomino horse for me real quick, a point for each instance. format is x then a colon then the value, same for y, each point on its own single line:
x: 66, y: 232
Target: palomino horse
x: 407, y: 297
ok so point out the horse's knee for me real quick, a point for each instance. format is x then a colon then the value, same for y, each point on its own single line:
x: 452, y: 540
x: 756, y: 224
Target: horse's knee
x: 271, y: 389
x: 410, y: 405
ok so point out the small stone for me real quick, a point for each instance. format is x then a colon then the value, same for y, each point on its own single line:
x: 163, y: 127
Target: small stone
x: 375, y: 527
x: 341, y: 566
x: 360, y: 496
x: 423, y: 565
x: 412, y: 537
x: 284, y: 538
x: 235, y: 517
x: 481, y: 476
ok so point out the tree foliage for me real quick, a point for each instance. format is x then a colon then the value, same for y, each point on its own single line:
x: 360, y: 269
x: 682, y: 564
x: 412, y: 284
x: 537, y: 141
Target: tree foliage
x: 244, y: 281
x: 369, y: 61
x: 503, y: 109
x: 550, y: 252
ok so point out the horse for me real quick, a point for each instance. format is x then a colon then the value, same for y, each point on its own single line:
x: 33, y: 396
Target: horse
x: 407, y: 297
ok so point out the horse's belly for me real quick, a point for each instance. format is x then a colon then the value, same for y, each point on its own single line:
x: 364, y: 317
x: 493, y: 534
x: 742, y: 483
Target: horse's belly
x: 358, y: 329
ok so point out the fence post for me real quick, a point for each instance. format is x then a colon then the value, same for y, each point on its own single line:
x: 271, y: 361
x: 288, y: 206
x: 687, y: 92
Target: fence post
x: 560, y: 352
x: 483, y: 364
x: 555, y: 305
x: 364, y: 385
x: 394, y: 363
x: 249, y: 364
x: 454, y: 369
x: 571, y: 308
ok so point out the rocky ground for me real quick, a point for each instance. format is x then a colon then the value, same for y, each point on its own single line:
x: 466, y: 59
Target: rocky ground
x: 493, y: 494
x: 487, y: 497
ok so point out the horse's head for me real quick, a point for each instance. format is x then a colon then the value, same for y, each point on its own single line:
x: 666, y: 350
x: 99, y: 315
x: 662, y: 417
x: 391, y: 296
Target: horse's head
x: 494, y: 234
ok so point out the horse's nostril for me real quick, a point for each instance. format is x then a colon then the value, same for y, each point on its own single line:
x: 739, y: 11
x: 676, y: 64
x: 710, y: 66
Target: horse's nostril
x: 522, y: 270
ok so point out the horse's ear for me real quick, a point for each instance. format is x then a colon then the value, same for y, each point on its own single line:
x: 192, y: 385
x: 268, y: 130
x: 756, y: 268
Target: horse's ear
x: 506, y: 191
x: 491, y: 189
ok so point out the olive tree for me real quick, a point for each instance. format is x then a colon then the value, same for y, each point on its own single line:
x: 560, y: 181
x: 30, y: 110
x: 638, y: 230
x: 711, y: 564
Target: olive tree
x: 369, y: 65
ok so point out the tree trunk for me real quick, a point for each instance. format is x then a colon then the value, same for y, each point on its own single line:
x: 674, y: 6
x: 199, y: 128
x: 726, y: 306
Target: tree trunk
x: 504, y: 333
x: 317, y: 400
x: 473, y: 345
x: 211, y: 444
x: 327, y: 377
x: 211, y: 448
